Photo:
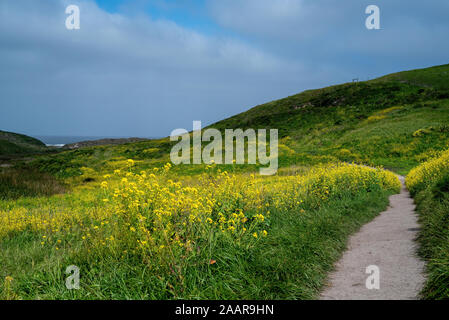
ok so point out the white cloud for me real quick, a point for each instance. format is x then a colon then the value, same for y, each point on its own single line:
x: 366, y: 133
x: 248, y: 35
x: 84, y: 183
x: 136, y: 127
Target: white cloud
x: 152, y: 74
x: 128, y: 74
x: 335, y: 25
x: 281, y: 19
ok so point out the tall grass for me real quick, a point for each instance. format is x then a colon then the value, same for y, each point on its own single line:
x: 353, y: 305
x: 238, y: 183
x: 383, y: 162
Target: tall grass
x: 152, y: 234
x: 21, y: 182
x: 429, y: 183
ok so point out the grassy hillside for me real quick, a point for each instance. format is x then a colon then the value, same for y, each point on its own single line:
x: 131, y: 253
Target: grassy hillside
x: 435, y: 77
x: 396, y: 121
x: 19, y: 144
x: 393, y: 121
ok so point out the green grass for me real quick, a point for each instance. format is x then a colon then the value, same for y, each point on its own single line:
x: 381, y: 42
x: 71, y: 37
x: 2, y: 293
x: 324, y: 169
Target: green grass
x: 435, y: 77
x: 291, y: 264
x: 431, y: 193
x: 433, y: 209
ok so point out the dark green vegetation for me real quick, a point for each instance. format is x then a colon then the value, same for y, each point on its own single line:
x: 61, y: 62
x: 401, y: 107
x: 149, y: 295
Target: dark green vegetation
x: 17, y: 179
x: 13, y: 144
x: 433, y: 208
x: 23, y: 182
x: 431, y: 193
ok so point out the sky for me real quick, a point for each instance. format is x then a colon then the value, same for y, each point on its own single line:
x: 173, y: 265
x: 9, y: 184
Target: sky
x: 146, y: 67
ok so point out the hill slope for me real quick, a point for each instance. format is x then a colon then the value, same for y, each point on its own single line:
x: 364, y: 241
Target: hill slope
x: 398, y: 121
x: 394, y: 121
x: 403, y: 87
x: 18, y: 144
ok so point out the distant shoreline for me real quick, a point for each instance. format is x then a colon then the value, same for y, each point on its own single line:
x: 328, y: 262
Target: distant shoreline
x: 58, y: 145
x: 61, y: 141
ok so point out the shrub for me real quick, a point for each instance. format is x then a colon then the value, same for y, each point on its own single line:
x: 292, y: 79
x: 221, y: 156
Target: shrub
x: 428, y: 173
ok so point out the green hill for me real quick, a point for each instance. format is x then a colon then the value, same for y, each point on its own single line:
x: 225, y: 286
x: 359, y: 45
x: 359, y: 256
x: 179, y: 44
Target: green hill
x: 19, y: 144
x: 397, y: 121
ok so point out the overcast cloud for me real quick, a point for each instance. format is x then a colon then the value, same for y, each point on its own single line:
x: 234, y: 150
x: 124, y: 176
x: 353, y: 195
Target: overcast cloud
x: 132, y: 72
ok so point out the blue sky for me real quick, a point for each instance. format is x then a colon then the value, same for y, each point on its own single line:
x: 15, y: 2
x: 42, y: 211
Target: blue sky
x: 187, y: 13
x: 147, y: 67
x: 112, y: 6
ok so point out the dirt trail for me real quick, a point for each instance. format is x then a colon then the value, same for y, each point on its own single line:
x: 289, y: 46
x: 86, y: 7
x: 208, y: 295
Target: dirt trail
x: 387, y: 242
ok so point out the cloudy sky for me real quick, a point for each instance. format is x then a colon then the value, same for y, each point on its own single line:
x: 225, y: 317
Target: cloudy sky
x: 146, y: 67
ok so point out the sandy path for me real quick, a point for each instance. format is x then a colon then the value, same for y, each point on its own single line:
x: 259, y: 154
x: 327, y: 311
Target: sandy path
x: 386, y: 242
